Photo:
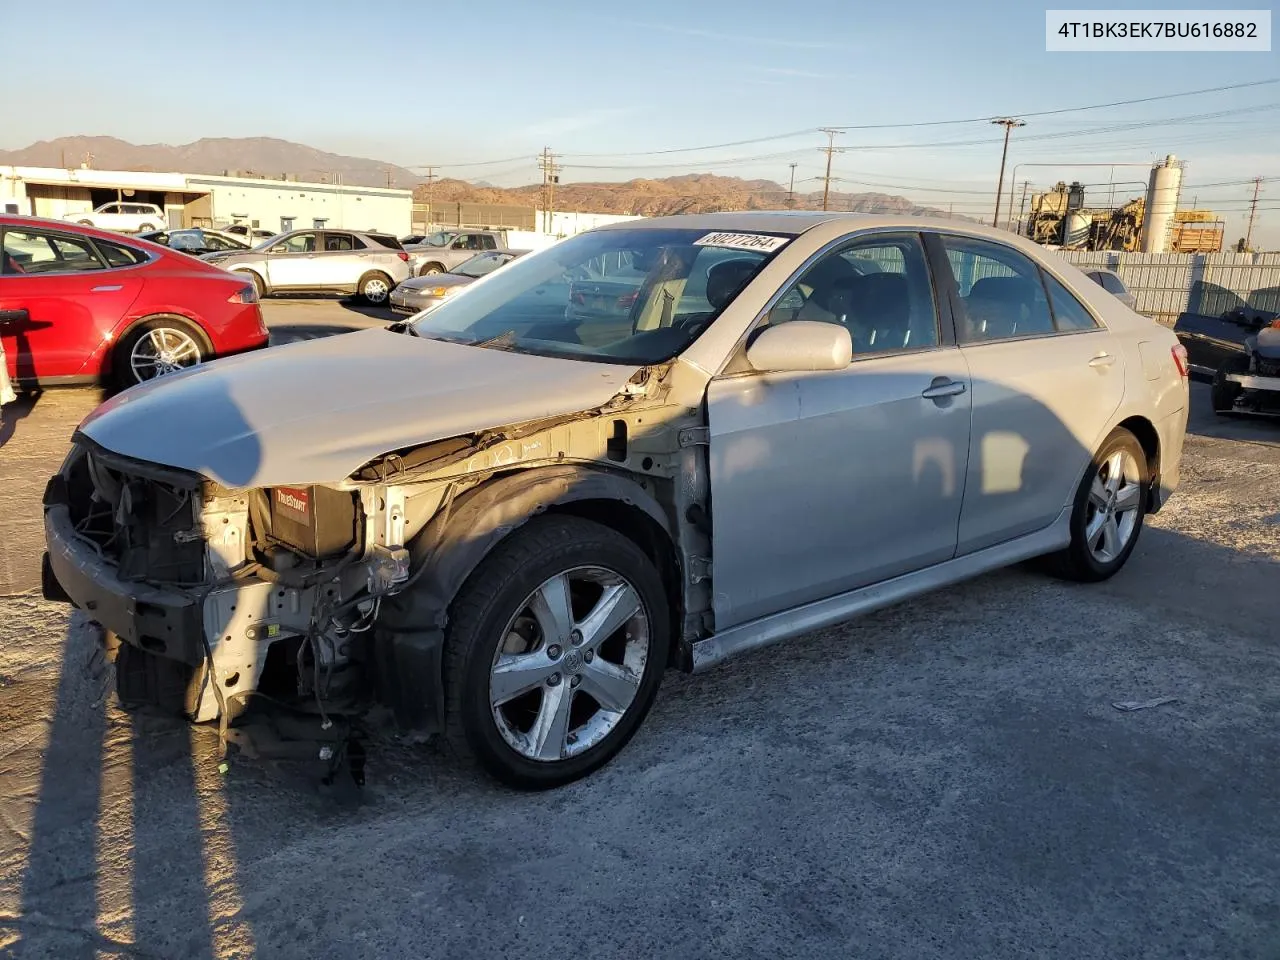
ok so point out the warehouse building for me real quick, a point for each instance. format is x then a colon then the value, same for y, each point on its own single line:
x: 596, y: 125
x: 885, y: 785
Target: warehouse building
x: 201, y: 200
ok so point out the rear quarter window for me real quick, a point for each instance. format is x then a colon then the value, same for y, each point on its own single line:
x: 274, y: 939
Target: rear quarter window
x: 391, y: 243
x: 118, y: 255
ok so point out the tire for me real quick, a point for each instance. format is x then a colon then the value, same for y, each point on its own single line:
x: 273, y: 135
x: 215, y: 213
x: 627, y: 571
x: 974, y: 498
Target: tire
x: 1224, y: 392
x: 147, y: 228
x: 258, y: 283
x: 172, y: 331
x: 1081, y: 560
x: 375, y: 288
x: 429, y: 269
x: 492, y: 611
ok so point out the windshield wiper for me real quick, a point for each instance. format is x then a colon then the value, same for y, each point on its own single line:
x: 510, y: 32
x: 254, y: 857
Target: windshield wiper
x: 500, y: 341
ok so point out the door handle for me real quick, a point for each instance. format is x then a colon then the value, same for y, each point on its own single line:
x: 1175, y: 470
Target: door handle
x: 942, y: 387
x: 1103, y: 359
x: 107, y: 288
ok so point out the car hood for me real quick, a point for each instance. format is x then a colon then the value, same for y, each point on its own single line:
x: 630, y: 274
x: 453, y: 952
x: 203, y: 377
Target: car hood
x: 317, y: 411
x: 418, y: 284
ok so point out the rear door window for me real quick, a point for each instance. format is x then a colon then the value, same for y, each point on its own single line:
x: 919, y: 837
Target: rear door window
x: 338, y: 242
x: 1001, y: 294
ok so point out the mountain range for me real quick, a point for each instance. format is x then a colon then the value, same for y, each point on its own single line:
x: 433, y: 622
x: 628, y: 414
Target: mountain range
x: 275, y: 158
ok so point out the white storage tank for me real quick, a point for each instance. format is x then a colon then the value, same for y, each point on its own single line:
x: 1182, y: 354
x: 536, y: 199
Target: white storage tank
x: 1162, y: 203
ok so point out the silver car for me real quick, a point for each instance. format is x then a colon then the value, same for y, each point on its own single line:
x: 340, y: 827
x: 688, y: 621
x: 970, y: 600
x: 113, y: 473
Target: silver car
x: 504, y: 520
x: 422, y: 293
x: 322, y: 261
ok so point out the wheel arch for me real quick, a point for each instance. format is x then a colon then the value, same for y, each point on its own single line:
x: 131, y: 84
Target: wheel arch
x: 440, y: 267
x: 1149, y: 437
x: 109, y: 360
x: 455, y: 542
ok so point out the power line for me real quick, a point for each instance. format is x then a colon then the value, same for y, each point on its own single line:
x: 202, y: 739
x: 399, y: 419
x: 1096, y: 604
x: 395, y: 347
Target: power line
x: 875, y: 126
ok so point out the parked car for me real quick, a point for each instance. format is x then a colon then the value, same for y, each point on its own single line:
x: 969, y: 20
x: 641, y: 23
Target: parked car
x: 251, y: 235
x: 422, y: 293
x: 443, y: 250
x: 412, y: 239
x: 1241, y: 352
x: 122, y: 217
x: 196, y: 241
x: 322, y: 261
x: 504, y: 525
x: 80, y: 305
x: 1110, y: 281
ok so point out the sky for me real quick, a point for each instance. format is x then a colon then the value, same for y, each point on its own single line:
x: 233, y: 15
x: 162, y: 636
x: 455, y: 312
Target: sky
x: 478, y: 89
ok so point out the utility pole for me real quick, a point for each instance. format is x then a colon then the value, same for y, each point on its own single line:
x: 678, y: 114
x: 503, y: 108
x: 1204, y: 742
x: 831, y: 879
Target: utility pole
x: 389, y: 177
x: 829, y: 149
x: 1008, y: 123
x: 550, y: 177
x: 1253, y: 210
x: 431, y: 179
x: 791, y: 190
x: 1022, y: 207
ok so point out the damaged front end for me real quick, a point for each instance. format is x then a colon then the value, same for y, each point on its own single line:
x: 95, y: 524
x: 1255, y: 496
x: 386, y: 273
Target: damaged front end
x: 304, y: 605
x: 214, y: 598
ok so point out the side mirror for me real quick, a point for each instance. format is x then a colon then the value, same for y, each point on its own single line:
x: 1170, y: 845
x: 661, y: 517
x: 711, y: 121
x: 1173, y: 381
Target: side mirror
x: 801, y: 345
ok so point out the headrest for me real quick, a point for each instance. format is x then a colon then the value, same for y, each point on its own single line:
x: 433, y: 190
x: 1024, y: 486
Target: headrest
x: 1004, y: 289
x: 725, y: 280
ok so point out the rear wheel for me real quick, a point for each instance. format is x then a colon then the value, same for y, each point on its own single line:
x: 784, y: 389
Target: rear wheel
x: 374, y: 288
x: 147, y: 228
x: 555, y: 649
x: 1108, y: 511
x: 1224, y: 392
x: 157, y: 347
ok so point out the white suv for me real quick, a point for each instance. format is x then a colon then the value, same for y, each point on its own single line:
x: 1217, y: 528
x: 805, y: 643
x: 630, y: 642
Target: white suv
x: 123, y: 217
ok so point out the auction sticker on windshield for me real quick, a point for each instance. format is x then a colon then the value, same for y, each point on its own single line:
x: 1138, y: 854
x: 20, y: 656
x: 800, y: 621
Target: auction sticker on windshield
x: 742, y: 241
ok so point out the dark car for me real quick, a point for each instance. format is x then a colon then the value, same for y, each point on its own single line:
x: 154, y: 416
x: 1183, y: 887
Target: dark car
x: 1241, y: 351
x: 195, y: 241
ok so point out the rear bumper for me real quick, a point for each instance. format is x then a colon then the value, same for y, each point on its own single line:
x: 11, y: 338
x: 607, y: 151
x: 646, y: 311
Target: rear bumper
x: 1251, y: 382
x: 1172, y: 431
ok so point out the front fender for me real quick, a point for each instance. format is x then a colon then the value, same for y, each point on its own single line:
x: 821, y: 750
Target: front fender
x: 409, y: 637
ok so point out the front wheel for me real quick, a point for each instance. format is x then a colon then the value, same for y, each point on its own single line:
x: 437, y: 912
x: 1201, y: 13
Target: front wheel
x: 1108, y: 511
x: 555, y: 650
x: 431, y: 269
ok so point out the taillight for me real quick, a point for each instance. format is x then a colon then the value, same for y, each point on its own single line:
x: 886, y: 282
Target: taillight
x: 1180, y: 359
x: 246, y: 294
x: 403, y: 256
x: 1276, y: 323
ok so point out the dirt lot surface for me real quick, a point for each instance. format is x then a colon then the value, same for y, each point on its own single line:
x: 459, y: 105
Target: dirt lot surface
x: 945, y: 779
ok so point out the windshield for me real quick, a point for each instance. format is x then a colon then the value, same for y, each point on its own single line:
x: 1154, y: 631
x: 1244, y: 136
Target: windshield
x: 269, y: 241
x: 439, y: 239
x: 632, y: 296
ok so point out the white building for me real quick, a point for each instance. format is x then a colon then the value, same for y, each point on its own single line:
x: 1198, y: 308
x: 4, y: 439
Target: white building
x: 200, y: 200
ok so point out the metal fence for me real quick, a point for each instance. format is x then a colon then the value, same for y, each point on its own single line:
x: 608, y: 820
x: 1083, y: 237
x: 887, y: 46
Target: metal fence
x: 1166, y: 285
x: 475, y: 216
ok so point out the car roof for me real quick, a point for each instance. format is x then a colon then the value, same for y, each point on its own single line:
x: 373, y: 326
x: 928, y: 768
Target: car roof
x: 795, y: 222
x: 65, y: 226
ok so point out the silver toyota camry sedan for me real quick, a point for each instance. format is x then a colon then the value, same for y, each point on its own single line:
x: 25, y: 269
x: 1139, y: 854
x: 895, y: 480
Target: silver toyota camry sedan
x: 653, y: 445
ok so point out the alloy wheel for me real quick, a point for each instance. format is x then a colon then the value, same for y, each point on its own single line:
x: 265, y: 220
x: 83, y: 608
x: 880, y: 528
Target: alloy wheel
x: 163, y: 350
x: 1114, y: 498
x: 570, y: 664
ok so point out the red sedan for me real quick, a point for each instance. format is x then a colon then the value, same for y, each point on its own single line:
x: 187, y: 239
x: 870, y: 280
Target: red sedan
x: 79, y: 305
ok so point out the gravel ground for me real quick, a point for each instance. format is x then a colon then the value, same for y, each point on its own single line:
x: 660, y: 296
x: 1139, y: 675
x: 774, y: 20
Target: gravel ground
x: 944, y: 779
